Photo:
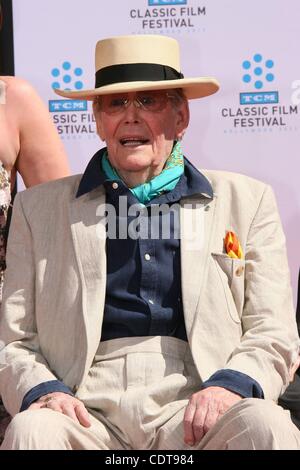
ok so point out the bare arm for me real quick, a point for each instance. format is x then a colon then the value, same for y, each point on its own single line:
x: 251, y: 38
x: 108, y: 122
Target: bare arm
x: 41, y: 156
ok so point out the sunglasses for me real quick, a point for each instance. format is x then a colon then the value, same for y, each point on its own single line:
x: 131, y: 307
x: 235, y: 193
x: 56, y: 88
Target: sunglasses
x: 149, y: 101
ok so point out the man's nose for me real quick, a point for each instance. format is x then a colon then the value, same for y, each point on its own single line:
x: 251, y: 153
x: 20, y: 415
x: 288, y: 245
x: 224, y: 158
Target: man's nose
x: 132, y: 111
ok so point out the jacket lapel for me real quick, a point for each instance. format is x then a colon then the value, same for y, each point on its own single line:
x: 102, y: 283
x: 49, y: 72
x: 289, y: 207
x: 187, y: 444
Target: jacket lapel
x: 89, y: 244
x: 196, y: 226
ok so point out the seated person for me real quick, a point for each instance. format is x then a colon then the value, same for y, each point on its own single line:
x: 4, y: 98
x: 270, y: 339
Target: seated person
x: 147, y: 305
x: 290, y: 400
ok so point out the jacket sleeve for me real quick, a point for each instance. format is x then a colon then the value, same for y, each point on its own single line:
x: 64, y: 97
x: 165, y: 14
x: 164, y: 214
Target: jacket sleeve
x: 44, y: 389
x: 22, y: 365
x: 269, y: 344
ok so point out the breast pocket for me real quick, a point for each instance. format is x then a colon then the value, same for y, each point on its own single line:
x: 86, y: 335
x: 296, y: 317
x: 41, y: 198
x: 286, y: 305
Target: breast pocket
x: 232, y: 275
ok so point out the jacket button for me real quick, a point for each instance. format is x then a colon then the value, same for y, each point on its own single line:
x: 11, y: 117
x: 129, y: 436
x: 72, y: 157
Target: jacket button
x: 239, y: 271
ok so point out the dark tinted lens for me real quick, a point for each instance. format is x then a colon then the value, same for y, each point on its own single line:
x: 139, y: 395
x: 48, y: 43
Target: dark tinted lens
x: 148, y: 101
x: 116, y: 104
x: 112, y: 103
x: 152, y: 101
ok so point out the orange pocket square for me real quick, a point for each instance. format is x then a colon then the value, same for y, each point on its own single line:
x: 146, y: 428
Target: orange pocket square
x: 232, y: 246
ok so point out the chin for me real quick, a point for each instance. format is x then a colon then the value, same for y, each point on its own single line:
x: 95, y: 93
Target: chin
x: 136, y: 162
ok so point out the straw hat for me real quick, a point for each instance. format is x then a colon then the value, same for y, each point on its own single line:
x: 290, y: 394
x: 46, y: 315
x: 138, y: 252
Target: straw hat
x: 141, y: 62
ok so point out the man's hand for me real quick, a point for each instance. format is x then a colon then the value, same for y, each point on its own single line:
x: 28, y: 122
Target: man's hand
x: 66, y: 404
x: 203, y: 411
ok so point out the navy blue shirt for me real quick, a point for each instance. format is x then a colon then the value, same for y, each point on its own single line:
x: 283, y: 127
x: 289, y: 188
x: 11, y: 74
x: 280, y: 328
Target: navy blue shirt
x: 143, y: 292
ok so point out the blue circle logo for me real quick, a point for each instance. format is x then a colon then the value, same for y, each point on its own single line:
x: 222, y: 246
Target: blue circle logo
x: 66, y: 77
x: 257, y: 70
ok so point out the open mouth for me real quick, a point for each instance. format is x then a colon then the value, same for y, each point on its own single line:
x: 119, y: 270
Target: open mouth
x: 133, y: 141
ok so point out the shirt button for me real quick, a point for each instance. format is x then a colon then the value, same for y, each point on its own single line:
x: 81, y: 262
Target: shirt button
x: 151, y: 302
x: 239, y: 271
x: 147, y: 257
x: 115, y: 185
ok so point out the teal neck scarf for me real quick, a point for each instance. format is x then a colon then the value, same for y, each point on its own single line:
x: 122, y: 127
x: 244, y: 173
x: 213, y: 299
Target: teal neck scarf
x: 162, y: 183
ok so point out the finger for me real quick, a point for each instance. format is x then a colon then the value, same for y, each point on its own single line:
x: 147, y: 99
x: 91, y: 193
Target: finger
x: 68, y: 409
x: 83, y: 415
x: 198, y: 422
x: 36, y: 405
x: 210, y: 418
x: 54, y: 405
x: 189, y: 437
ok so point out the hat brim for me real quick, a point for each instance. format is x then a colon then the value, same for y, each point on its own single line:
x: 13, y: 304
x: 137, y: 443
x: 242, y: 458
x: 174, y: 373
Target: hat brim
x: 192, y: 87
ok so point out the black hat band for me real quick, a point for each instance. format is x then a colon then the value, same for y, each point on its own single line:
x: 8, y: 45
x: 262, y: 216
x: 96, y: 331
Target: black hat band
x: 135, y: 73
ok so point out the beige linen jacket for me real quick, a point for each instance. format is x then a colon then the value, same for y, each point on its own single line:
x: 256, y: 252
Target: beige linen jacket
x: 238, y: 312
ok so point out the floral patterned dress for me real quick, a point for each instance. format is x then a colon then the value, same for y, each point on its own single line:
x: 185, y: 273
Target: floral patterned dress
x: 5, y: 199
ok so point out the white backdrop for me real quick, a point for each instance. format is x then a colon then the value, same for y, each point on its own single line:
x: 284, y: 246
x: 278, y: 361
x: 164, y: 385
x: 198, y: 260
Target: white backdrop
x: 251, y: 126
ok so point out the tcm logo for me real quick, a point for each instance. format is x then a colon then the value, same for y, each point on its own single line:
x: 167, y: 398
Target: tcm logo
x: 153, y: 3
x: 263, y: 97
x: 258, y: 72
x: 57, y: 106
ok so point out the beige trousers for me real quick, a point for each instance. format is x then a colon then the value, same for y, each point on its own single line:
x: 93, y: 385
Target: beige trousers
x: 136, y: 393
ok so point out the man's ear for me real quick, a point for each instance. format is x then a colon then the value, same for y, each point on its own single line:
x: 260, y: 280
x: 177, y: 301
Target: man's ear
x: 183, y: 119
x: 100, y: 131
x: 99, y: 125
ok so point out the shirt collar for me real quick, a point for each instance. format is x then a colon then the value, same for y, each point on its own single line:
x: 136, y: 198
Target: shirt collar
x: 192, y: 183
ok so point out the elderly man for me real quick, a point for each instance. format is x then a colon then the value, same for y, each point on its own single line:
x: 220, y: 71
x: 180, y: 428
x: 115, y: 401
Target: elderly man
x: 147, y: 305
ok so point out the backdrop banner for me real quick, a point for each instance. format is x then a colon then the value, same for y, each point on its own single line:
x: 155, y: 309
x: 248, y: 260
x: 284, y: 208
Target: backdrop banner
x: 250, y: 126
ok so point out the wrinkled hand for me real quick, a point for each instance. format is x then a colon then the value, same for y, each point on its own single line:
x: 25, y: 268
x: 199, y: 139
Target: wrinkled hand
x: 203, y: 411
x: 66, y: 404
